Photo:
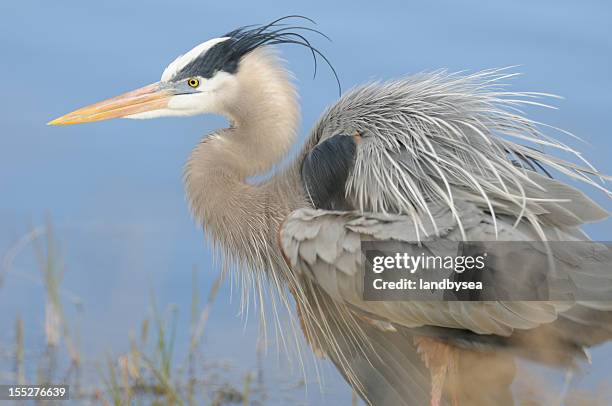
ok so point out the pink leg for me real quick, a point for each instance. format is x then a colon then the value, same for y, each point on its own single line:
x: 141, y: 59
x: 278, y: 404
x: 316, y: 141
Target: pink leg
x: 439, y: 359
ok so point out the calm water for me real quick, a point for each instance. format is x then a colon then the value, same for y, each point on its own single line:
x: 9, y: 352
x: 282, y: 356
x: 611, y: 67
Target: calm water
x: 114, y: 189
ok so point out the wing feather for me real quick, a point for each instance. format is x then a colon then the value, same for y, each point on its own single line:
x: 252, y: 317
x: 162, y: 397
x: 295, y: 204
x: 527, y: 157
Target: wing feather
x: 335, y: 264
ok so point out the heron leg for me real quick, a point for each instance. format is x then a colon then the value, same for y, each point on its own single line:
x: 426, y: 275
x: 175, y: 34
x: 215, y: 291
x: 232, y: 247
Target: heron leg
x: 440, y: 359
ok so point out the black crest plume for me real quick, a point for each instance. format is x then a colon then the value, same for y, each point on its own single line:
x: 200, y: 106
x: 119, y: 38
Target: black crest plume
x: 225, y: 56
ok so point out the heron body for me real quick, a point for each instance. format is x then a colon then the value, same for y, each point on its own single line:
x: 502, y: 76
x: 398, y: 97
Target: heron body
x: 428, y: 157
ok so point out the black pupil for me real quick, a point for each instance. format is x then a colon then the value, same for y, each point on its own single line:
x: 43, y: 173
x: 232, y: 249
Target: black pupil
x: 193, y: 82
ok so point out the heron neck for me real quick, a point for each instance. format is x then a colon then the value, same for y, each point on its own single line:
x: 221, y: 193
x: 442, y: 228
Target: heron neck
x: 263, y: 119
x: 238, y: 214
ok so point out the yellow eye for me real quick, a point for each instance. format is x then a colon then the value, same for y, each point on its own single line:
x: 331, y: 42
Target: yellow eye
x: 193, y: 82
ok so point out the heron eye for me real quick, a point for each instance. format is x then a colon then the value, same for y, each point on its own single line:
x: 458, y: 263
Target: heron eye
x: 193, y: 82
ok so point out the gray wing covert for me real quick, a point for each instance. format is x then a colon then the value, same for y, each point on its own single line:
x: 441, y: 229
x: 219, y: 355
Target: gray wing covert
x: 325, y: 247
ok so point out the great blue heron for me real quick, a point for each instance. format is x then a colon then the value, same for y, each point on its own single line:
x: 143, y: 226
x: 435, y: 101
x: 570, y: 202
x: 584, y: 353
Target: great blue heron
x: 431, y: 156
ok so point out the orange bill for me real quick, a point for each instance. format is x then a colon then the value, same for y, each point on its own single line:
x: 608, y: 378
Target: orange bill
x: 147, y: 98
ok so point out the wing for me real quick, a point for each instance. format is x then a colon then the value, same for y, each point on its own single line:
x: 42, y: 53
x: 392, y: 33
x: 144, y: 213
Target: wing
x: 436, y: 150
x: 326, y: 247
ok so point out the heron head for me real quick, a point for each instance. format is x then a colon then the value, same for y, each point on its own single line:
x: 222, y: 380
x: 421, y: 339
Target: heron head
x: 202, y: 80
x: 210, y: 78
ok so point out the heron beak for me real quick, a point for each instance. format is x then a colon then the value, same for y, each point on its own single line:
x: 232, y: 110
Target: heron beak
x: 147, y: 98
